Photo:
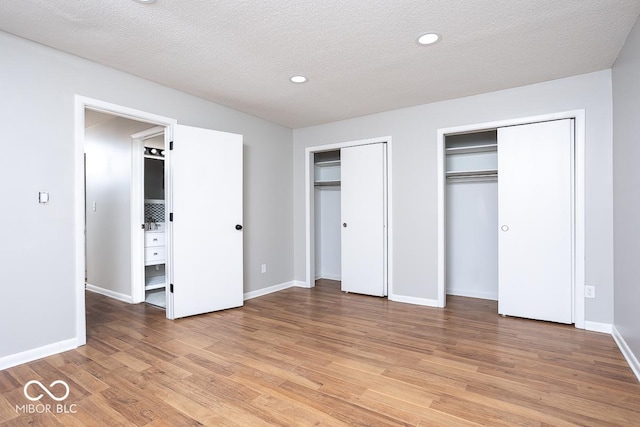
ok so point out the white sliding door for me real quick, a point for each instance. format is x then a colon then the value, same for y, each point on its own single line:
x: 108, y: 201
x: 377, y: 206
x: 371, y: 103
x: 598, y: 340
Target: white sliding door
x: 536, y: 220
x: 206, y: 238
x: 363, y: 208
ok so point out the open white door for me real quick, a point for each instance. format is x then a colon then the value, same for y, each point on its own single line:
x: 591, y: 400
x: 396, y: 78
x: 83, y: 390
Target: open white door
x: 535, y: 218
x: 363, y: 219
x: 206, y: 266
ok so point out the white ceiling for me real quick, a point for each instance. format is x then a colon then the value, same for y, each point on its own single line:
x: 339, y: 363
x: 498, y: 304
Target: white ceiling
x: 360, y: 55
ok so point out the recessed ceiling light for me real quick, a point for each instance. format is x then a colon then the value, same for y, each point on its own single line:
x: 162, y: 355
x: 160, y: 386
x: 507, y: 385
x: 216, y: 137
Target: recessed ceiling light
x: 298, y: 79
x: 427, y: 39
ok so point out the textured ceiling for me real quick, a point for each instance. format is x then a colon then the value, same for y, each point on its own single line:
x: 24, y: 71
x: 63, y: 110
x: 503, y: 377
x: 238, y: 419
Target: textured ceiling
x: 360, y: 55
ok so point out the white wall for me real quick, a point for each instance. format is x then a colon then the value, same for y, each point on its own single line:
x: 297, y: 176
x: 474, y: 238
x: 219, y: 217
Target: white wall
x: 414, y: 132
x: 37, y: 245
x: 626, y: 150
x: 328, y: 233
x: 472, y: 239
x: 108, y: 184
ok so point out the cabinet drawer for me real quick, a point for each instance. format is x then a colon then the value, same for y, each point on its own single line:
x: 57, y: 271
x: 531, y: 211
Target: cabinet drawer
x: 154, y: 255
x: 153, y: 239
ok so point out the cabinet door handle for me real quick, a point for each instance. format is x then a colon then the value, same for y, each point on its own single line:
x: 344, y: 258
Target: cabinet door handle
x: 238, y: 227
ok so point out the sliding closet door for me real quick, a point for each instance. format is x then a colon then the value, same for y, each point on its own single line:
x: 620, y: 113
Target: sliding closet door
x: 535, y: 219
x: 206, y: 249
x: 363, y: 219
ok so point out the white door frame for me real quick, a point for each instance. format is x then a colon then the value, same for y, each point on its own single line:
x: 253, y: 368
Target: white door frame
x: 310, y: 206
x: 137, y: 211
x: 578, y: 194
x: 82, y: 103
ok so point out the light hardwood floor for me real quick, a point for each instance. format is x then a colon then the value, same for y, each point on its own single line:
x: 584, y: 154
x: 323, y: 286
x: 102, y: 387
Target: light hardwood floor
x: 321, y: 357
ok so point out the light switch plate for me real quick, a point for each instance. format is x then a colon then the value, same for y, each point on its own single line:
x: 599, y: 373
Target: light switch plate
x: 43, y: 197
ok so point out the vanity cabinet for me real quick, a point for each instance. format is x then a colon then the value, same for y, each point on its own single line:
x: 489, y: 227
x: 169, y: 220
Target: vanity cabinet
x: 154, y: 261
x: 154, y: 248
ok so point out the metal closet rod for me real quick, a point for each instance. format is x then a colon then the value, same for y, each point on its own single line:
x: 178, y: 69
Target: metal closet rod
x: 473, y: 176
x: 486, y: 172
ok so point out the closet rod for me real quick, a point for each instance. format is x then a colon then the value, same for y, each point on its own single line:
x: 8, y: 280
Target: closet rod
x: 327, y: 183
x: 470, y: 176
x: 482, y: 172
x: 474, y: 178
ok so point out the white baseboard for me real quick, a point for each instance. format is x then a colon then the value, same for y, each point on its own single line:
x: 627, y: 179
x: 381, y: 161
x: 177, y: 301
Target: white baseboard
x: 473, y: 294
x: 605, y: 328
x: 274, y: 288
x: 302, y: 284
x: 631, y: 358
x: 413, y: 300
x: 37, y: 353
x: 330, y: 277
x: 109, y: 293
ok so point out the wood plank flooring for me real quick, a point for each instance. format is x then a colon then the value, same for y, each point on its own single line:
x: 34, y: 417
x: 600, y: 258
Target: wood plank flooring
x: 321, y: 357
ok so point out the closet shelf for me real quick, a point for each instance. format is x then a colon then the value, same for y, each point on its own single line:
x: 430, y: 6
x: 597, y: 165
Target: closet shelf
x: 327, y: 183
x: 151, y: 156
x: 472, y: 149
x: 154, y: 282
x: 326, y: 163
x: 156, y: 298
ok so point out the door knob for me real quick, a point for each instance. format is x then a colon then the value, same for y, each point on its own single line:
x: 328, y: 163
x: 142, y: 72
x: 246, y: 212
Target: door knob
x: 504, y: 228
x: 344, y: 224
x: 238, y: 227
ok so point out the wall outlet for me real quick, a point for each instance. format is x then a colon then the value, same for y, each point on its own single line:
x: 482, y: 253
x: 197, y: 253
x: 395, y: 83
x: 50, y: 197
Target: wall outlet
x: 263, y: 268
x: 589, y: 291
x: 43, y: 197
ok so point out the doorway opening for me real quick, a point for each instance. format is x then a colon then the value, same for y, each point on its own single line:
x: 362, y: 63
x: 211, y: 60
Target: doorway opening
x: 148, y: 212
x: 203, y: 261
x: 470, y: 142
x: 124, y: 188
x: 105, y: 201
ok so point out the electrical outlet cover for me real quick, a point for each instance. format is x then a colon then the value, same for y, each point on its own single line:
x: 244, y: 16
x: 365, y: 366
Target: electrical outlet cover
x: 589, y: 291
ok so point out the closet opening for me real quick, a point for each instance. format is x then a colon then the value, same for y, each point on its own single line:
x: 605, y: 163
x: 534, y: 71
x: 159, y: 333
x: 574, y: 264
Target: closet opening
x: 327, y: 226
x: 511, y: 210
x: 472, y: 214
x: 348, y: 220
